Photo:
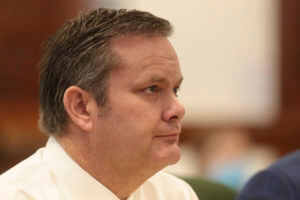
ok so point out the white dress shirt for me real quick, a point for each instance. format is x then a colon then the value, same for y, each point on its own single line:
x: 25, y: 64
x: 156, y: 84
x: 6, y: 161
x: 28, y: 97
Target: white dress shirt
x: 50, y: 174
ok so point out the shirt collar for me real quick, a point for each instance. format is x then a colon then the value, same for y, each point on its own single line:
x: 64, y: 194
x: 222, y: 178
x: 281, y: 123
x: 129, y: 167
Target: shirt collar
x: 71, y: 179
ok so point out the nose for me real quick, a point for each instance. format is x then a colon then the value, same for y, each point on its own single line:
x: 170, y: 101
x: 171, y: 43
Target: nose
x: 174, y: 111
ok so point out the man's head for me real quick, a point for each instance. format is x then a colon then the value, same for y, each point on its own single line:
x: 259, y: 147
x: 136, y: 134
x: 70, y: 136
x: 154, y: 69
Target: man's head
x: 79, y: 54
x: 108, y: 89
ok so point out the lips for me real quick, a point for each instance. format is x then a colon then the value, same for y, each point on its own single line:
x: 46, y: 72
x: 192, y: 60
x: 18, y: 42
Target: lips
x: 171, y: 138
x: 173, y: 130
x: 169, y: 135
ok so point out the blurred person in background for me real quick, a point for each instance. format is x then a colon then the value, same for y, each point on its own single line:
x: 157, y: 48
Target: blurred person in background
x: 230, y: 157
x: 281, y: 181
x: 108, y: 100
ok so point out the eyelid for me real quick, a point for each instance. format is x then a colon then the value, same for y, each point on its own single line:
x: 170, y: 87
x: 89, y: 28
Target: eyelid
x: 154, y: 89
x: 148, y: 89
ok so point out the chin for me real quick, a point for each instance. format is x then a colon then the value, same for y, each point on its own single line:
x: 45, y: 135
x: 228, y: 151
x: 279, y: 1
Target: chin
x: 168, y: 156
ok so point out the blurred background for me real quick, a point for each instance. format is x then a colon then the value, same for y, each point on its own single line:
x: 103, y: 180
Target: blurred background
x: 240, y: 61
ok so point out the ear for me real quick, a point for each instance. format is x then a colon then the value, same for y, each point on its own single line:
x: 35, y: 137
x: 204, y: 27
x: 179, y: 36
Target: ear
x: 79, y: 106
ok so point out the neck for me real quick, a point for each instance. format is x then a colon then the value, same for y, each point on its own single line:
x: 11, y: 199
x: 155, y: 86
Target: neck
x: 121, y: 177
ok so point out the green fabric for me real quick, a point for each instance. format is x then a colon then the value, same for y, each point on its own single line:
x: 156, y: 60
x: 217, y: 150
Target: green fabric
x: 209, y: 190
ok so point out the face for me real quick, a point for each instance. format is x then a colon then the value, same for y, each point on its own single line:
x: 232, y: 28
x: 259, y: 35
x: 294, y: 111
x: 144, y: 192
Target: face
x: 142, y: 123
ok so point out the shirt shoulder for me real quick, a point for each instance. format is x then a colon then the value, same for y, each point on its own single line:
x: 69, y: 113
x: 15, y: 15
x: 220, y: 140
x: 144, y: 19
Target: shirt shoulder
x: 26, y: 178
x: 289, y: 166
x: 164, y: 186
x: 269, y: 184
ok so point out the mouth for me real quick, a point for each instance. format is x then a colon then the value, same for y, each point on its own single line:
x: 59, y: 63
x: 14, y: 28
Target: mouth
x: 171, y: 134
x: 170, y: 138
x: 168, y: 135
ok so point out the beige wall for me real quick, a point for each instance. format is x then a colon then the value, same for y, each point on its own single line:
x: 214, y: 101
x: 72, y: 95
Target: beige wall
x: 229, y: 56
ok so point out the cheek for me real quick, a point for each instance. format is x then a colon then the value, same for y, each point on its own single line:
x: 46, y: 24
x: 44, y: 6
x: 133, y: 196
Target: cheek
x: 136, y: 109
x: 137, y: 123
x: 136, y: 115
x: 146, y: 116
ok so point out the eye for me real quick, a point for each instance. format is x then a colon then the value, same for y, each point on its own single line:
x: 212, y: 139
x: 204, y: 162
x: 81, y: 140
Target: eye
x: 152, y: 89
x: 176, y: 90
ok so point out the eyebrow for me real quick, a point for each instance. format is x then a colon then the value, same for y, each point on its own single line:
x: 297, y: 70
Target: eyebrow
x: 159, y: 79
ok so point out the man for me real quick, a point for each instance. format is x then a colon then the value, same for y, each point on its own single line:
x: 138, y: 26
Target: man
x: 281, y: 181
x: 108, y: 99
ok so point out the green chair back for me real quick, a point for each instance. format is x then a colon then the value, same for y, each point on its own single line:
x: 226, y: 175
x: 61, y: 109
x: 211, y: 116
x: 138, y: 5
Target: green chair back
x: 209, y: 190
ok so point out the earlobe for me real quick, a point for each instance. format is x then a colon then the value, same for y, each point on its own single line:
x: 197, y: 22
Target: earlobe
x: 76, y: 102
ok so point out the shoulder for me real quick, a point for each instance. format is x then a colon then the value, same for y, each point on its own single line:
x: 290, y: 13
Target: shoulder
x: 280, y: 181
x: 266, y: 185
x: 169, y: 187
x: 291, y: 161
x: 287, y: 169
x: 15, y: 181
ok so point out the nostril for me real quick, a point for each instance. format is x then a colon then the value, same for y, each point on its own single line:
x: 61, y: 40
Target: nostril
x: 174, y: 117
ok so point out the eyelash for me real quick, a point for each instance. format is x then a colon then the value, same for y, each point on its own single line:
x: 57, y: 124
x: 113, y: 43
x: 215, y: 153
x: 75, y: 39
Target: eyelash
x: 150, y: 89
x: 175, y: 90
x: 155, y: 89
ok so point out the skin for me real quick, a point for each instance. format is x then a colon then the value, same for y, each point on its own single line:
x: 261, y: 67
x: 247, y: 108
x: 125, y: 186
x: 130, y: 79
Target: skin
x: 136, y: 134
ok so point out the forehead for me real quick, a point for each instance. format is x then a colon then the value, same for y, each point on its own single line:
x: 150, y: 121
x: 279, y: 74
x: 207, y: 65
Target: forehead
x: 128, y: 46
x: 145, y: 54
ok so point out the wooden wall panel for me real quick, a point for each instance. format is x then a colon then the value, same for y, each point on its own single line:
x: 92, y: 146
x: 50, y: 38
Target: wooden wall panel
x: 24, y: 25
